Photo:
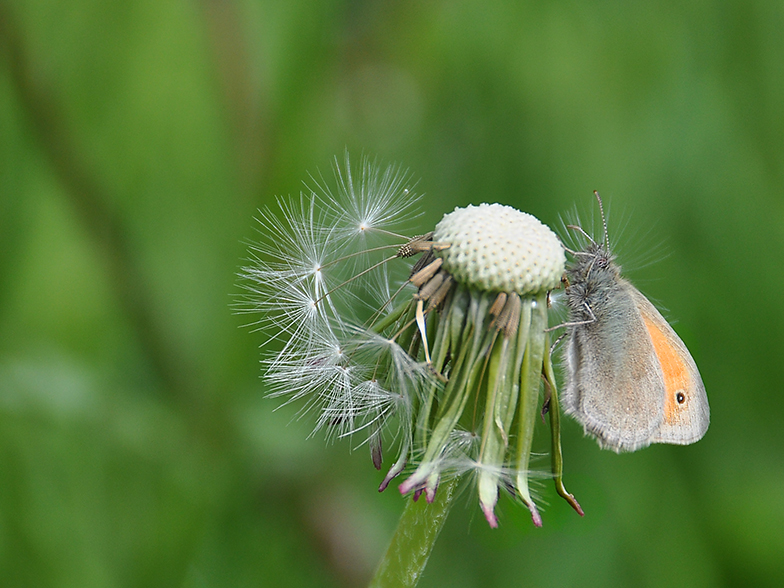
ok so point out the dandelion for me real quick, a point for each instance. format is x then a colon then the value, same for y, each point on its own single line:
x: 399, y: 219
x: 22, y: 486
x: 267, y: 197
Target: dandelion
x: 441, y: 359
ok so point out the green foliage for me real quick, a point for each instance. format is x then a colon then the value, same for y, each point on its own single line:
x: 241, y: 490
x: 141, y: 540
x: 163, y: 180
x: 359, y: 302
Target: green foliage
x: 138, y: 140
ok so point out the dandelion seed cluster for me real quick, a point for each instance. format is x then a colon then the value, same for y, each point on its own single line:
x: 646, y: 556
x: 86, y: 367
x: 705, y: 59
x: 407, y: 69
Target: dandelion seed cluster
x: 498, y: 248
x: 444, y: 362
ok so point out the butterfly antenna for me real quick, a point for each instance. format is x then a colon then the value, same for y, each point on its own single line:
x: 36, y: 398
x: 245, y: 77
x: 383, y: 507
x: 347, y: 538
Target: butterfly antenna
x: 604, y: 220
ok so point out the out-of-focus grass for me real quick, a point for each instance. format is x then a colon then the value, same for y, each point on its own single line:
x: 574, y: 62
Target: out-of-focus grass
x: 137, y: 140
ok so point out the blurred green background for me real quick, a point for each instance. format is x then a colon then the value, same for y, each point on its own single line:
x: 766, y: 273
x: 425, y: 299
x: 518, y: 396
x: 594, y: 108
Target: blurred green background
x: 138, y: 139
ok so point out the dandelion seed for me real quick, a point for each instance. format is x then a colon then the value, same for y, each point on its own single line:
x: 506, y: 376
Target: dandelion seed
x: 444, y: 361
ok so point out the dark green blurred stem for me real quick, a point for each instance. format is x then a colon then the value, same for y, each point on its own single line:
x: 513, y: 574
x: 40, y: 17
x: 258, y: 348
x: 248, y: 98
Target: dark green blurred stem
x: 413, y: 541
x: 246, y: 107
x: 47, y: 121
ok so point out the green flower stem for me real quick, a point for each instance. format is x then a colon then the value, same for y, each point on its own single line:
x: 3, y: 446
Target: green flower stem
x: 441, y: 347
x: 391, y: 318
x: 413, y: 541
x: 461, y: 382
x: 529, y: 396
x: 555, y: 430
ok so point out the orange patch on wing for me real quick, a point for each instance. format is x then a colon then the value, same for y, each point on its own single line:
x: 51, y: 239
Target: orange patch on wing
x: 676, y: 373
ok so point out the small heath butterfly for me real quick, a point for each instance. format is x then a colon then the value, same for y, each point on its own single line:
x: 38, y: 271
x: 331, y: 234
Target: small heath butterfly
x: 630, y: 379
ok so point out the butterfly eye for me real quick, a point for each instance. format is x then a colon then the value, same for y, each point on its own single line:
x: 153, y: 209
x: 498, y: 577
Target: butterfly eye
x: 602, y: 261
x: 680, y: 397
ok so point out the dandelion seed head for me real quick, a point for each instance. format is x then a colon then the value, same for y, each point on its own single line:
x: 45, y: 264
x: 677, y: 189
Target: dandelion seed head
x: 428, y: 358
x: 498, y: 248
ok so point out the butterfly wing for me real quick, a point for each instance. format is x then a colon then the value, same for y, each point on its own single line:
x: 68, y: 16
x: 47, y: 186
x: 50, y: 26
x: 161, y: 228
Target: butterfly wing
x: 615, y: 385
x: 686, y: 414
